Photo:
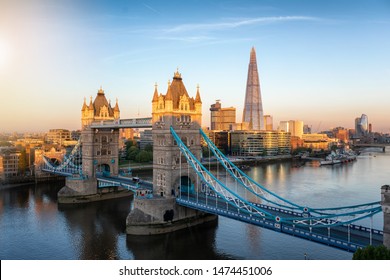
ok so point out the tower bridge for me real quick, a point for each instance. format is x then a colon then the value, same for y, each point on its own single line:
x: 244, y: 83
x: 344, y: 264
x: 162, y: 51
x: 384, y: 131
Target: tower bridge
x: 184, y: 192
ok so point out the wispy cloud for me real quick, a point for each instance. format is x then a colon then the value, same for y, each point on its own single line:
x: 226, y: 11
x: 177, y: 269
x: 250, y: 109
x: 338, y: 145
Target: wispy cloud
x: 187, y: 39
x: 236, y: 23
x: 150, y: 8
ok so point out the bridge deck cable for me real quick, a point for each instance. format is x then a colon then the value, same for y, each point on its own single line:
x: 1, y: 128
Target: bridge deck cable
x: 254, y: 187
x: 316, y: 219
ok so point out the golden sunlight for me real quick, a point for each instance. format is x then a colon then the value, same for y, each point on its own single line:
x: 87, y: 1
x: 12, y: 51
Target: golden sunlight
x: 4, y: 53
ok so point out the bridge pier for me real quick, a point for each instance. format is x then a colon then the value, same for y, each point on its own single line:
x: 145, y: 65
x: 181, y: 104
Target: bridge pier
x: 385, y: 202
x: 162, y: 215
x: 82, y: 190
x: 77, y: 189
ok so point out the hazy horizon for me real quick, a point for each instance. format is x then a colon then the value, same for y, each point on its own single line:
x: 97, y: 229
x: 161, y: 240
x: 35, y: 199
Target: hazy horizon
x: 322, y: 62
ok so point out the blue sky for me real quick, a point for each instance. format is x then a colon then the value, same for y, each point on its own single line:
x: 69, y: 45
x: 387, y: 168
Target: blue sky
x: 323, y: 62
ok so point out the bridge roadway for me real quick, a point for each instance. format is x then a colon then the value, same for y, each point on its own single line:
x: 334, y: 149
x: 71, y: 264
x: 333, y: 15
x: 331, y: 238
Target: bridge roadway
x: 345, y: 237
x: 125, y: 182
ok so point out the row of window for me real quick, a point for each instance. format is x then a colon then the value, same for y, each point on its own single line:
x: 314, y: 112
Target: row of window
x: 103, y: 152
x: 183, y: 107
x: 179, y: 119
x: 103, y: 139
x: 163, y: 142
x: 161, y: 181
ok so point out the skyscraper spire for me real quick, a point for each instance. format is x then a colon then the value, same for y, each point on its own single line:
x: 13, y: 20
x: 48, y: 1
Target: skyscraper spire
x: 253, y: 107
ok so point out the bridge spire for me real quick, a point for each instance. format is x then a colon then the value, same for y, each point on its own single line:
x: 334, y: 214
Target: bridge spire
x: 155, y: 95
x: 90, y: 107
x: 116, y: 108
x: 84, y: 105
x: 197, y: 98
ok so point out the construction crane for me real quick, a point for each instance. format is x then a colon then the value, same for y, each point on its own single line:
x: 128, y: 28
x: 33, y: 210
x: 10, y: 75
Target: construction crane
x: 318, y: 127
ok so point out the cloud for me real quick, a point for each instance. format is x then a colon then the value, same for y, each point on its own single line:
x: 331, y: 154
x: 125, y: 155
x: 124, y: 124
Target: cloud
x: 150, y: 8
x: 236, y: 23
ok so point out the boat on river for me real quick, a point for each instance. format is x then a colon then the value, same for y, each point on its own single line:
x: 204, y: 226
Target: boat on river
x: 337, y: 158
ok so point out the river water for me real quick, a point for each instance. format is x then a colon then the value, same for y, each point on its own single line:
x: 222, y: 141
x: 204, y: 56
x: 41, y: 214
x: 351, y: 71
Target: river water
x: 33, y: 226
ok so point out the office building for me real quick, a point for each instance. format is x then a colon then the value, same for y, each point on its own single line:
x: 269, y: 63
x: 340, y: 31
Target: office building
x: 253, y: 106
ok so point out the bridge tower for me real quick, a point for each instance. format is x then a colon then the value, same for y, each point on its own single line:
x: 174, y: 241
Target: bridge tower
x: 184, y: 113
x: 171, y: 172
x: 99, y: 148
x: 385, y: 202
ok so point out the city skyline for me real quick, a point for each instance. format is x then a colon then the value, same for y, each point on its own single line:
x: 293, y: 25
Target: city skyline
x: 324, y: 63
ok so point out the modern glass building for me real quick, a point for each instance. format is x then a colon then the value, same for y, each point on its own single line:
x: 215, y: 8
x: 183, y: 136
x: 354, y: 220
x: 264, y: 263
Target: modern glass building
x: 361, y: 126
x: 253, y: 107
x: 260, y: 143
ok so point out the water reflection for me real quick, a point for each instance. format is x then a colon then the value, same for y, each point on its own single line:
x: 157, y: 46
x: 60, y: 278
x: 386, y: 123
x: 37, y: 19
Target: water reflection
x: 195, y: 243
x: 33, y: 226
x: 95, y: 227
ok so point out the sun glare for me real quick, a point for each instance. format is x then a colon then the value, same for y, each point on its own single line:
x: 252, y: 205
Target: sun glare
x: 4, y: 54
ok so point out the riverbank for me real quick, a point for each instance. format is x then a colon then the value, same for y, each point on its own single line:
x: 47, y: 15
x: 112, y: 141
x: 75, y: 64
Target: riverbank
x: 237, y: 160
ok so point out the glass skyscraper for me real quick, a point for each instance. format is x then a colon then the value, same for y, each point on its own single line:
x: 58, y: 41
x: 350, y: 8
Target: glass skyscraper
x: 253, y: 107
x: 361, y: 126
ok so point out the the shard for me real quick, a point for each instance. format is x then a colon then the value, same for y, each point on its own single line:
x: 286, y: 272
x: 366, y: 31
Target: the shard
x: 253, y: 107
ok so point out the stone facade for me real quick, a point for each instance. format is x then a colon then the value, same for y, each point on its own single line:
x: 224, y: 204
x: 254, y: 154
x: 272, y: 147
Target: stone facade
x: 100, y: 151
x: 100, y: 146
x: 385, y: 202
x: 98, y: 110
x: 174, y: 109
x: 171, y: 172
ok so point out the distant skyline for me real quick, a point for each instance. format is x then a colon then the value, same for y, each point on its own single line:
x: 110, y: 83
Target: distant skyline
x: 322, y: 62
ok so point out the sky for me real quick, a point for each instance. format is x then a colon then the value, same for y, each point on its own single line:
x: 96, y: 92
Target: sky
x: 322, y: 62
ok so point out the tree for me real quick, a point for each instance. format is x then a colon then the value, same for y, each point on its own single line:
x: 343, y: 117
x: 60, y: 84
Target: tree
x: 144, y: 156
x: 372, y: 253
x: 132, y: 152
x: 129, y: 143
x: 149, y: 148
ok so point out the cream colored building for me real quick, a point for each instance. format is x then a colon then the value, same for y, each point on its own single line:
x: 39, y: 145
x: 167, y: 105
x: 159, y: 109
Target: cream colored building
x: 98, y: 110
x: 295, y: 127
x: 57, y: 136
x: 222, y: 118
x: 9, y: 163
x: 268, y: 123
x: 317, y: 141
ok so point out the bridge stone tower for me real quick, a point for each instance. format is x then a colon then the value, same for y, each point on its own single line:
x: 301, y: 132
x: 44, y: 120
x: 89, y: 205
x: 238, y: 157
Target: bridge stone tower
x: 99, y: 148
x: 385, y: 202
x: 171, y: 172
x: 174, y: 109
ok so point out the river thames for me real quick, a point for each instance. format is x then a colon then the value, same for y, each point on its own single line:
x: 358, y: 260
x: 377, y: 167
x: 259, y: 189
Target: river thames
x: 33, y: 226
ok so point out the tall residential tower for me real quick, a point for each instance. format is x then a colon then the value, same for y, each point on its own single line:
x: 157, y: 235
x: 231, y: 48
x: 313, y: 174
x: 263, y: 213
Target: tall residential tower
x: 253, y: 107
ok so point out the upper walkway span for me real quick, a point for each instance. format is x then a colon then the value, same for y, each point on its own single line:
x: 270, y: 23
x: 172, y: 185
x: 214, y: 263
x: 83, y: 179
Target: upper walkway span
x: 123, y: 123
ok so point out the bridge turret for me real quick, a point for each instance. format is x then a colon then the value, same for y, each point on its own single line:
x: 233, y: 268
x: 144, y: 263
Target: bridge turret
x: 99, y: 110
x: 183, y: 113
x: 171, y: 172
